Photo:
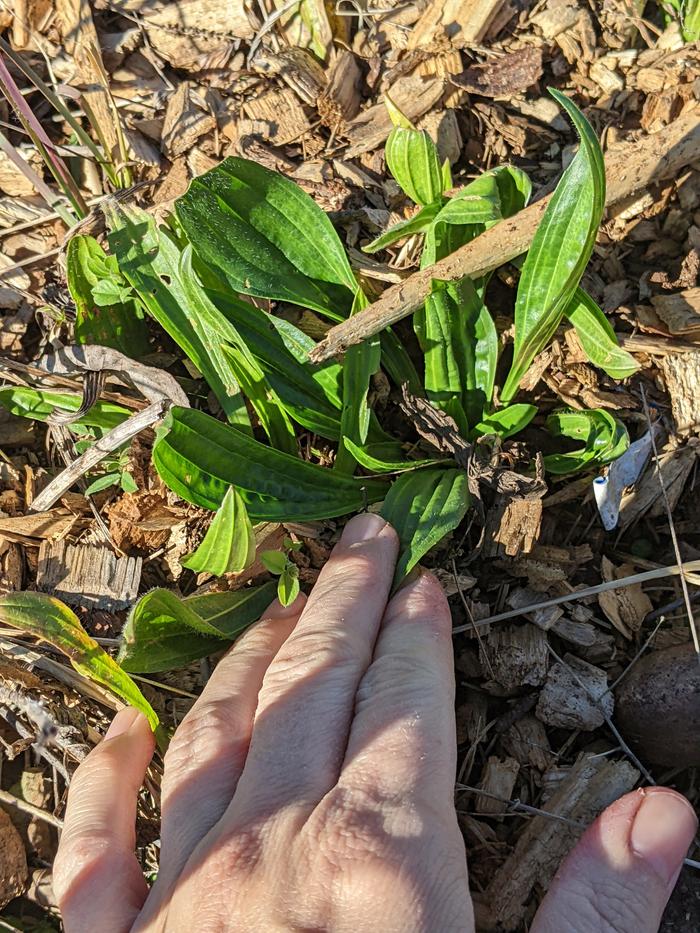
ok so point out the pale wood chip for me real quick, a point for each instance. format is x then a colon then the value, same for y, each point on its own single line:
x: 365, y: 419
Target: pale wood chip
x: 93, y: 577
x: 514, y: 655
x: 682, y: 377
x: 465, y: 21
x: 565, y: 704
x: 627, y: 606
x: 280, y: 113
x: 184, y: 123
x: 498, y: 779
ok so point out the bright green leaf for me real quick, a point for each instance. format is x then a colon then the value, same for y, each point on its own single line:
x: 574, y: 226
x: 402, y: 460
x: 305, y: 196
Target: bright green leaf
x: 367, y: 459
x: 229, y: 544
x: 424, y: 506
x: 40, y: 404
x: 419, y: 223
x: 274, y: 561
x: 128, y: 483
x: 597, y: 337
x: 506, y: 422
x: 288, y: 584
x: 102, y: 482
x: 604, y: 439
x: 560, y: 250
x: 413, y: 160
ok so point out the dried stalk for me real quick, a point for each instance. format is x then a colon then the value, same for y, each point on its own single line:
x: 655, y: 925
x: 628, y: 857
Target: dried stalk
x: 673, y: 570
x: 632, y: 166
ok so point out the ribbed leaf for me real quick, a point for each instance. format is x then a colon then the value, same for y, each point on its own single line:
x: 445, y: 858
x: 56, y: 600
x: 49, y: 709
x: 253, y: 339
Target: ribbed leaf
x: 199, y: 458
x: 229, y: 544
x: 560, y: 249
x: 164, y: 632
x: 604, y: 439
x: 424, y: 506
x: 506, y: 422
x: 151, y: 262
x: 51, y: 620
x: 368, y: 459
x: 413, y: 160
x: 39, y: 404
x: 598, y: 338
x: 267, y: 237
x: 119, y: 325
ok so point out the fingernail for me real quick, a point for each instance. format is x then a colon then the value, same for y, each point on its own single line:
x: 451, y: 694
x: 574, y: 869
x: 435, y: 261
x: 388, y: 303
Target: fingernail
x: 122, y: 722
x: 662, y: 831
x: 278, y: 611
x: 362, y: 527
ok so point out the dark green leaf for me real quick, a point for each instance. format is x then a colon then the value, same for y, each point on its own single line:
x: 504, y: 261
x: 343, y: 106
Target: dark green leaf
x: 229, y: 544
x: 102, y: 482
x: 266, y: 237
x: 105, y: 313
x: 199, y: 458
x: 424, y: 506
x: 560, y: 250
x: 597, y: 337
x: 51, y: 620
x: 413, y: 160
x: 165, y: 632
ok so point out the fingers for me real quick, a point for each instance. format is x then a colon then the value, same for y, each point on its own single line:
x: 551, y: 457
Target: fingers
x: 207, y: 753
x: 306, y: 701
x: 97, y: 880
x: 621, y: 874
x: 402, y: 741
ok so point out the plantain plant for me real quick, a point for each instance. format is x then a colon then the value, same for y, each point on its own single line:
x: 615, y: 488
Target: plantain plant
x: 244, y: 239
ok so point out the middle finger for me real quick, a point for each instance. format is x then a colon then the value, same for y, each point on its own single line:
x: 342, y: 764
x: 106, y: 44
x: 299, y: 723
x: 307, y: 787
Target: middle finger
x: 306, y: 702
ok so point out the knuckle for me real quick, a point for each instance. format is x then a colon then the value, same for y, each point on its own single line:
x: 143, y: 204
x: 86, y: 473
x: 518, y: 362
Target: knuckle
x: 308, y: 654
x: 351, y: 825
x: 207, y: 730
x: 81, y: 854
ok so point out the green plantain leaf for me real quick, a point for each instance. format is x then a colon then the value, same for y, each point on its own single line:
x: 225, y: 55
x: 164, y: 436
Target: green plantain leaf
x: 229, y: 544
x: 152, y: 263
x: 604, y: 437
x: 198, y: 457
x: 560, y: 250
x: 598, y: 338
x: 359, y: 365
x: 413, y: 160
x: 288, y: 584
x: 165, y: 632
x: 39, y: 405
x: 506, y: 422
x: 266, y: 237
x: 52, y: 621
x: 105, y: 313
x: 366, y: 457
x: 424, y: 506
x: 419, y: 223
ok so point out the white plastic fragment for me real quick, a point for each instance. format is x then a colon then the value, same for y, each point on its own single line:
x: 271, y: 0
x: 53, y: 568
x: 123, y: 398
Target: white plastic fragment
x: 625, y: 471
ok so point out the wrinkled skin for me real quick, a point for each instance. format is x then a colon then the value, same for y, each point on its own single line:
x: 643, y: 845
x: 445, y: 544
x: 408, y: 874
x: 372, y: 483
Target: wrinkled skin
x: 310, y: 788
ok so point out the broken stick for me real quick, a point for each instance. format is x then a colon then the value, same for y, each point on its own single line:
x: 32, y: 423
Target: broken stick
x: 628, y: 168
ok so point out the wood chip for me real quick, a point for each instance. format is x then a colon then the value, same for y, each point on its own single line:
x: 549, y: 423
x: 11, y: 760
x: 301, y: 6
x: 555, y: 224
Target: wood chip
x: 503, y: 77
x: 465, y: 21
x: 184, y: 123
x: 86, y: 576
x: 682, y: 376
x: 13, y: 861
x: 517, y: 528
x: 592, y: 785
x: 574, y: 695
x: 498, y: 779
x: 281, y: 115
x: 627, y: 606
x: 514, y: 655
x: 526, y: 740
x: 675, y: 464
x: 680, y: 312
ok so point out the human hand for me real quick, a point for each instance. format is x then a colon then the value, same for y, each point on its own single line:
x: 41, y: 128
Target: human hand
x: 310, y: 787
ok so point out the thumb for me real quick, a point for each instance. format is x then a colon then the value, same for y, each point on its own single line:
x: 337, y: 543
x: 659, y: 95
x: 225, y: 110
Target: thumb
x: 622, y: 872
x: 97, y: 881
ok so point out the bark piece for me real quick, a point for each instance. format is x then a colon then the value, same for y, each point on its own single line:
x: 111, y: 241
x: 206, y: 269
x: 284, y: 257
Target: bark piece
x: 575, y: 696
x: 675, y: 464
x: 13, y: 861
x: 515, y: 655
x: 527, y: 742
x: 592, y: 784
x: 184, y: 123
x: 682, y: 376
x: 625, y: 607
x: 517, y: 527
x: 465, y: 21
x: 341, y: 99
x: 88, y: 576
x: 498, y: 779
x: 280, y: 113
x: 503, y: 77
